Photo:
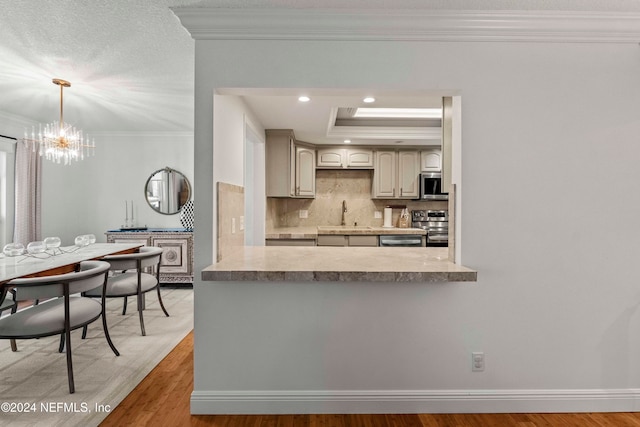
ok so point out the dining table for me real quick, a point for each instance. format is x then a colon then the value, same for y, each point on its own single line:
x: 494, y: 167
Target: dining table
x: 59, y: 261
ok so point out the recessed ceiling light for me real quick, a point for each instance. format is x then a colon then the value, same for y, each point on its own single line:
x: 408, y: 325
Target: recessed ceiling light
x: 402, y: 113
x: 347, y: 141
x: 304, y: 98
x: 369, y: 99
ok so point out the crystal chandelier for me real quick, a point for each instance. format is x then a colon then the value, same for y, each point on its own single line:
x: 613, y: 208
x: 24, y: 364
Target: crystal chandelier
x: 59, y: 141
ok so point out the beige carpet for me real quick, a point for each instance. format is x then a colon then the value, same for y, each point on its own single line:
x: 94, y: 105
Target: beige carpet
x: 34, y: 379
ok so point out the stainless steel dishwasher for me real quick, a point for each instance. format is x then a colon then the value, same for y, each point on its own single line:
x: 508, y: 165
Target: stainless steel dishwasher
x: 398, y: 240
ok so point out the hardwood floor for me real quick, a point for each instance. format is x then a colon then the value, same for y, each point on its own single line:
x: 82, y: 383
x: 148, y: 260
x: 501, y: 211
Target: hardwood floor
x: 162, y: 399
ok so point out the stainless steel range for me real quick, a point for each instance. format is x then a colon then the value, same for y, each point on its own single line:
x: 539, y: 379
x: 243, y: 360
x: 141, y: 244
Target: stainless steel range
x: 436, y: 223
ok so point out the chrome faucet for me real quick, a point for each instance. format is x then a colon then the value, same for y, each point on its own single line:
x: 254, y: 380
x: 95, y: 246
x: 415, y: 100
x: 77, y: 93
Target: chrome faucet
x: 344, y: 210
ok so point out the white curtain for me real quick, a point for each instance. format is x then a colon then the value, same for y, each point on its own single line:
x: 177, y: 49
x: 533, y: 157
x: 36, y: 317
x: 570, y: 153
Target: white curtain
x: 28, y: 193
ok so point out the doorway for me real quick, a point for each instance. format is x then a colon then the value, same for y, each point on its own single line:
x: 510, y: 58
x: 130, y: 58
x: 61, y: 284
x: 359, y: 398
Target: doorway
x: 254, y: 186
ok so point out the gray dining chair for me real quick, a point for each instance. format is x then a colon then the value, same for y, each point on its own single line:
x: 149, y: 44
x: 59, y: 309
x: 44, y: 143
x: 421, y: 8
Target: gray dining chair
x: 9, y: 304
x: 131, y: 279
x: 62, y: 309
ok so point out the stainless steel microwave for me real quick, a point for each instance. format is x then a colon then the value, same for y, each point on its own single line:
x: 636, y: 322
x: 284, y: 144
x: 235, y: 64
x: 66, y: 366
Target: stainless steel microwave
x: 431, y: 186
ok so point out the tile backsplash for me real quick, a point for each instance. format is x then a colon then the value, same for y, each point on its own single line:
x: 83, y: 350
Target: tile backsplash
x: 332, y: 187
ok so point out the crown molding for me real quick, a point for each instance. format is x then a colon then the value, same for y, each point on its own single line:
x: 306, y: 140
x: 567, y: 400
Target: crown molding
x: 142, y: 134
x: 207, y: 23
x: 385, y: 132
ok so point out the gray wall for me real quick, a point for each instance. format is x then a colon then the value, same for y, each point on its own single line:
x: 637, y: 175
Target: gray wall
x: 89, y: 196
x: 549, y: 150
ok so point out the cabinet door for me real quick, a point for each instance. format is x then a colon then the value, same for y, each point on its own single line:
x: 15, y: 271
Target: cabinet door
x: 384, y: 185
x: 331, y: 157
x: 332, y: 240
x: 305, y: 178
x: 290, y: 242
x: 359, y: 158
x: 175, y: 254
x: 362, y: 240
x: 408, y: 171
x: 431, y: 160
x: 278, y: 159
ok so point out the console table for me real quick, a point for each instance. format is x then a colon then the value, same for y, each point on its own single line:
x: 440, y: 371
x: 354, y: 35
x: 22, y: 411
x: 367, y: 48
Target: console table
x: 176, y: 264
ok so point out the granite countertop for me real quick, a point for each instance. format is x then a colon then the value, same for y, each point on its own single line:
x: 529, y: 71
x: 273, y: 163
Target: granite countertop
x: 313, y: 231
x: 338, y: 264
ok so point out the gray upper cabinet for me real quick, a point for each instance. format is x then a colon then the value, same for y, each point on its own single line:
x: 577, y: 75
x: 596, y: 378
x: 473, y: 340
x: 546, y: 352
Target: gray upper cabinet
x: 396, y: 174
x: 290, y: 166
x: 305, y: 171
x: 331, y: 157
x: 345, y: 158
x: 384, y: 175
x: 431, y: 160
x: 408, y: 171
x: 360, y: 158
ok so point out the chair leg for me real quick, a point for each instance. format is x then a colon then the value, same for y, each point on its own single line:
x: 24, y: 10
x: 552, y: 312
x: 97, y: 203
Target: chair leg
x: 161, y: 303
x: 14, y: 346
x: 106, y: 333
x: 72, y: 388
x: 140, y: 314
x: 124, y: 306
x: 61, y: 347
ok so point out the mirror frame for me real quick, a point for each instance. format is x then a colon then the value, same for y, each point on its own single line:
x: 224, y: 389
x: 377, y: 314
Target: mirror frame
x: 168, y: 170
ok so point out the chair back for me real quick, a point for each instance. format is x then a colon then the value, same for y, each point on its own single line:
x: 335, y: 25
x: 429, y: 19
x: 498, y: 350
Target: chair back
x: 147, y: 256
x: 91, y: 275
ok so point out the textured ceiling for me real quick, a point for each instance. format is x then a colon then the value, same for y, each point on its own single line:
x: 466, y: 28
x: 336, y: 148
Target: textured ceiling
x: 131, y: 63
x: 569, y: 5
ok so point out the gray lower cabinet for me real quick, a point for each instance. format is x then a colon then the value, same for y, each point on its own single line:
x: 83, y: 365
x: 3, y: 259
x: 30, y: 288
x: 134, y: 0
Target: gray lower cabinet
x: 332, y: 240
x: 176, y: 264
x: 347, y: 240
x: 290, y: 242
x: 358, y: 240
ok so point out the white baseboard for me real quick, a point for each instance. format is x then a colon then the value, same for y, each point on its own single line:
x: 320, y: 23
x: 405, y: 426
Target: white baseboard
x: 414, y: 401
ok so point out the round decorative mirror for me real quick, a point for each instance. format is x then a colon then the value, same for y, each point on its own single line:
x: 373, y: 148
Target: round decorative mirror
x: 167, y: 190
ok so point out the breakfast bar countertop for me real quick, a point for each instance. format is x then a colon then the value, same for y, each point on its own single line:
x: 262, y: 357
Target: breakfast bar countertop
x: 338, y: 264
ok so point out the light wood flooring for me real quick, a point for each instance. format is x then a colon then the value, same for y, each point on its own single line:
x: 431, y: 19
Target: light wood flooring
x: 162, y: 399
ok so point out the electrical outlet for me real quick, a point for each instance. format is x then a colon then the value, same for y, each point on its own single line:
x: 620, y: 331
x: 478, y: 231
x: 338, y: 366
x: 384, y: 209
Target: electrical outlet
x: 233, y: 226
x: 303, y: 213
x: 241, y: 222
x: 377, y: 214
x: 477, y: 361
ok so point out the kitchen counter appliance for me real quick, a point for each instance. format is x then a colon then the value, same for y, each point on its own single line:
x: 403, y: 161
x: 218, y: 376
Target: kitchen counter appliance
x: 436, y: 224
